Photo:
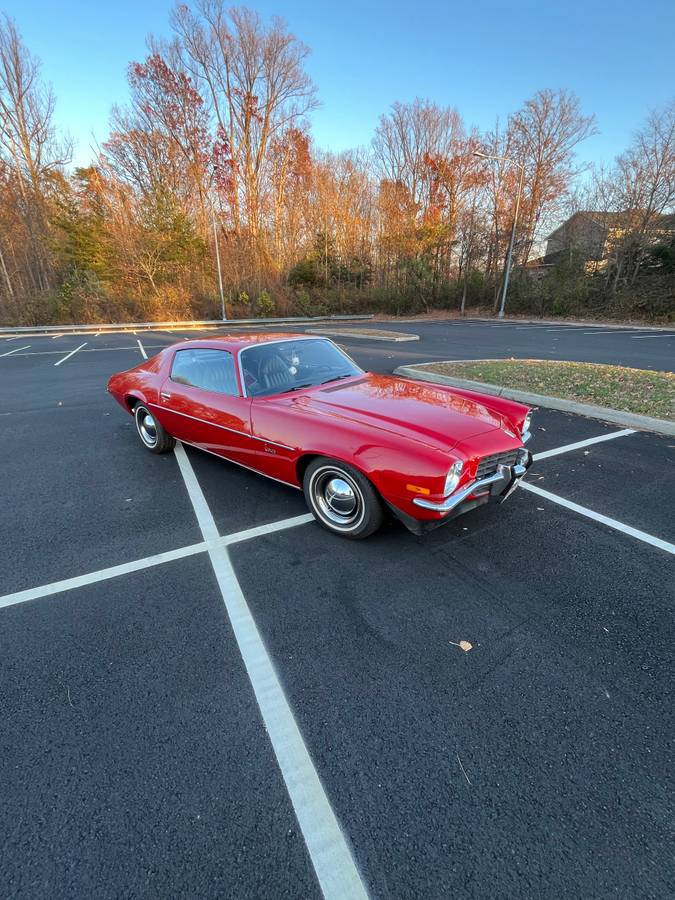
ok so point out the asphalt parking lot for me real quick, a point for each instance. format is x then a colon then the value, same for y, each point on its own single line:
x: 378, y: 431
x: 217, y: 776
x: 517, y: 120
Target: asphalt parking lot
x: 285, y: 714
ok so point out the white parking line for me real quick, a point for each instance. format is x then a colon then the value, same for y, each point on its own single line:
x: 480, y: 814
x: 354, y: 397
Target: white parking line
x: 69, y: 584
x: 598, y: 517
x: 72, y: 353
x: 260, y: 530
x: 16, y: 350
x: 142, y: 349
x: 55, y: 336
x: 93, y: 350
x: 646, y: 337
x: 332, y: 860
x: 147, y: 562
x: 587, y: 443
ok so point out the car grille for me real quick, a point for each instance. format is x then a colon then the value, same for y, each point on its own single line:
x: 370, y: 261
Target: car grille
x: 488, y: 464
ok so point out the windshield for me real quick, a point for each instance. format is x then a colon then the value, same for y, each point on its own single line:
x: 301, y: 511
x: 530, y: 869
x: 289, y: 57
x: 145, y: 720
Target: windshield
x: 282, y: 366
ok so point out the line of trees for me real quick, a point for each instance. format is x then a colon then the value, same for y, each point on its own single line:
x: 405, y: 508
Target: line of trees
x: 214, y: 144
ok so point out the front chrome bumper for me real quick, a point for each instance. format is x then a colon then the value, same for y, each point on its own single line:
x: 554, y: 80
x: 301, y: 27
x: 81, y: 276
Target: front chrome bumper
x: 501, y: 484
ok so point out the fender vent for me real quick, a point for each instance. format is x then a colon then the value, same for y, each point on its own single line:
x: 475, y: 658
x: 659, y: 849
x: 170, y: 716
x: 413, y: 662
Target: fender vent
x: 488, y: 464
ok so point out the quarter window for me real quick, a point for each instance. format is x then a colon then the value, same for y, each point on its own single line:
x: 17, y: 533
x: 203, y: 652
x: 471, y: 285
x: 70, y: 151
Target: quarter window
x: 210, y: 370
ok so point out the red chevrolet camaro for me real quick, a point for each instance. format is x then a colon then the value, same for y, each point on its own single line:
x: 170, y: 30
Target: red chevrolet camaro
x: 297, y: 409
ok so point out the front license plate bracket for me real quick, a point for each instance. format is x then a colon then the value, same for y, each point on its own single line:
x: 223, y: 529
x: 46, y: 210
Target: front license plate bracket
x: 510, y: 489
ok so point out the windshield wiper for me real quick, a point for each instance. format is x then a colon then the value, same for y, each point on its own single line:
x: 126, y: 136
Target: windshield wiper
x: 298, y: 387
x: 338, y: 377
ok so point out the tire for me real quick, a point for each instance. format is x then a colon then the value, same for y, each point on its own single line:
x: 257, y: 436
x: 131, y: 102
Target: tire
x: 341, y: 499
x: 153, y: 436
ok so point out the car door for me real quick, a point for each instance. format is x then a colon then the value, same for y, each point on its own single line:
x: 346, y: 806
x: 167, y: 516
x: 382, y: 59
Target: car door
x: 200, y: 404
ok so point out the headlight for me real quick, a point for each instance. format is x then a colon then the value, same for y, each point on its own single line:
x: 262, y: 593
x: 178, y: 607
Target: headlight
x: 525, y: 430
x: 454, y: 475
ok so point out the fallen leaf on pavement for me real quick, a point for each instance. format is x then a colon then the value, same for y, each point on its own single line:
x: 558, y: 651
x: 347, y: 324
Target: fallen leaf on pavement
x: 463, y: 645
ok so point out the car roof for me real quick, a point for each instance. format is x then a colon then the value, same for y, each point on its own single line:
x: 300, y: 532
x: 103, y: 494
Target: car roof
x: 236, y: 342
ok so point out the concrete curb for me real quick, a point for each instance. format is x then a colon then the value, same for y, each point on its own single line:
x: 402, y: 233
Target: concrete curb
x: 493, y: 320
x: 628, y: 420
x: 574, y: 322
x: 176, y: 326
x: 364, y: 336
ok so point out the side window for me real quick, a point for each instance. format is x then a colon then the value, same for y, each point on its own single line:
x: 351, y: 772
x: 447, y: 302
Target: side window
x: 210, y: 370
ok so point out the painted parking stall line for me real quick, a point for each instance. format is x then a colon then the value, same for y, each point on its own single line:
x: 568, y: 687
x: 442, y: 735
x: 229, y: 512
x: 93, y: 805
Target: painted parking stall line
x: 91, y: 350
x: 331, y: 857
x: 142, y: 349
x: 598, y: 517
x: 72, y: 353
x: 148, y: 562
x: 262, y: 530
x: 16, y: 350
x: 614, y: 331
x: 70, y: 584
x: 578, y: 445
x: 647, y: 337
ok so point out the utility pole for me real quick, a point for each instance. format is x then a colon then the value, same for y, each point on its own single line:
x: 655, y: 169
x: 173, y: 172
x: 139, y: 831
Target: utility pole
x: 509, y: 253
x: 220, y: 274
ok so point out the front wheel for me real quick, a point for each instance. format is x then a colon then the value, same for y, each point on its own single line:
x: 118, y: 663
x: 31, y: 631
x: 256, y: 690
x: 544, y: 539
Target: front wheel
x: 342, y: 499
x: 151, y: 433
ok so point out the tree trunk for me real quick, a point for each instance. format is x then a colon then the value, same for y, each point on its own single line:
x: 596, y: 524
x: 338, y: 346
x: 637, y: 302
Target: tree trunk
x: 10, y: 290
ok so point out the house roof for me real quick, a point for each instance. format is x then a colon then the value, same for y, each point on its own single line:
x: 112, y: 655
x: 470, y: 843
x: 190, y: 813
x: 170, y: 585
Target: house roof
x: 610, y: 220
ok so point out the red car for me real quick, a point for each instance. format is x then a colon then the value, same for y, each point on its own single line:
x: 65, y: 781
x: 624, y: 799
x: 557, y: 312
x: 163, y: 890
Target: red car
x: 297, y: 409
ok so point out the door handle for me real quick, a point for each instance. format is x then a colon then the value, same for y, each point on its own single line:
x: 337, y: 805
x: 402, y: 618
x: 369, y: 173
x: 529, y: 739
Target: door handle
x: 164, y: 395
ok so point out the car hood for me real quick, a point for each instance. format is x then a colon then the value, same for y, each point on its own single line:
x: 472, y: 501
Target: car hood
x: 418, y: 409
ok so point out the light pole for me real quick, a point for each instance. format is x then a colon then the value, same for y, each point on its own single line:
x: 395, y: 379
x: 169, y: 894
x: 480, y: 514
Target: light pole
x: 220, y: 274
x: 215, y: 241
x: 509, y: 253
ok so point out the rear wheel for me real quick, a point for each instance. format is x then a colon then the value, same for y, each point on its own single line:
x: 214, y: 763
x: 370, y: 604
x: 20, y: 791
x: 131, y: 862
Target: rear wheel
x: 154, y: 437
x: 342, y: 499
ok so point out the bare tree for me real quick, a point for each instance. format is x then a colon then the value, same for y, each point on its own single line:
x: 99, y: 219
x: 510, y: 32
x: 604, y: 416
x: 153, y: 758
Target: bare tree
x: 644, y: 189
x: 29, y: 148
x: 545, y: 133
x: 407, y: 137
x: 254, y: 77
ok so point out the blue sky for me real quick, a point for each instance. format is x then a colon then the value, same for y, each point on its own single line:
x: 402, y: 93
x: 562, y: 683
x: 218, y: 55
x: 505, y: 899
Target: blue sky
x: 484, y: 58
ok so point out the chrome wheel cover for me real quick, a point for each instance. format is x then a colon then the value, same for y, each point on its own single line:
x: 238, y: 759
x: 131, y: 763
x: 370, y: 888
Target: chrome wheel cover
x: 147, y: 427
x: 337, y: 498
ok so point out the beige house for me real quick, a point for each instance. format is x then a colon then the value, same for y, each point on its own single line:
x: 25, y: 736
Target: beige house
x: 595, y: 235
x: 589, y: 233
